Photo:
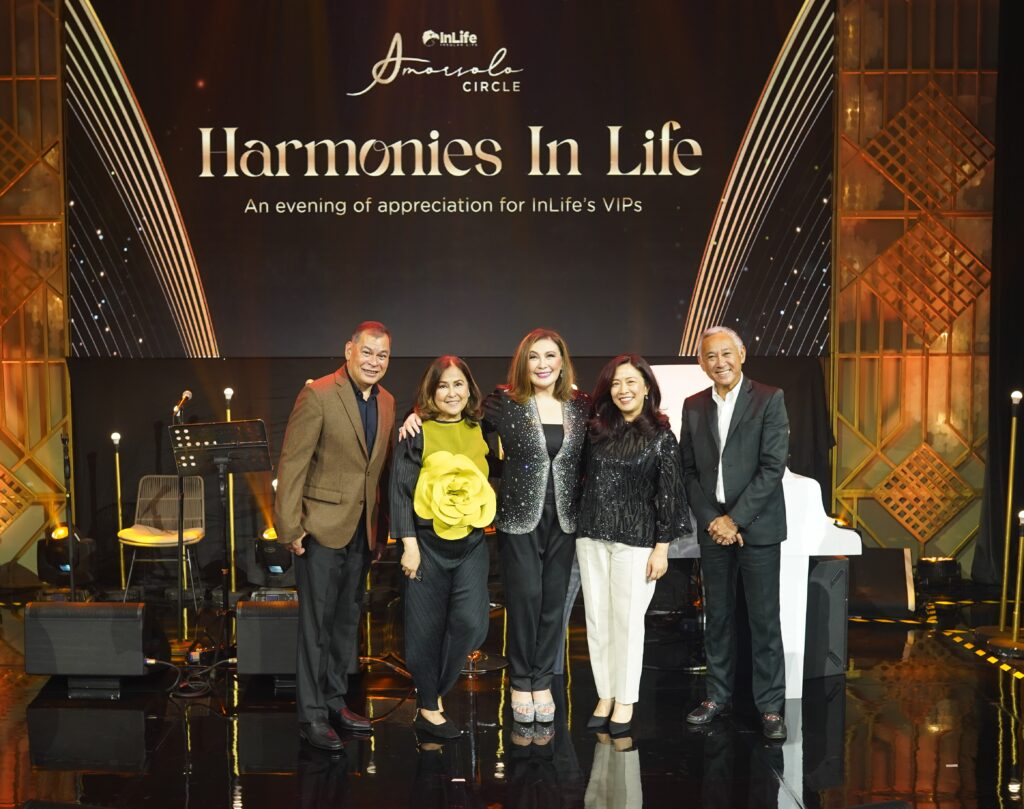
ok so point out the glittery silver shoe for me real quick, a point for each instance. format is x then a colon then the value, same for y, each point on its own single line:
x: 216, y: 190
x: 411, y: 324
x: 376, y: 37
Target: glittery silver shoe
x: 523, y: 712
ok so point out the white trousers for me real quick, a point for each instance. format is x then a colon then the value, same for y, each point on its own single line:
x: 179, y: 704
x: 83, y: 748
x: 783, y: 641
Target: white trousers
x: 616, y: 594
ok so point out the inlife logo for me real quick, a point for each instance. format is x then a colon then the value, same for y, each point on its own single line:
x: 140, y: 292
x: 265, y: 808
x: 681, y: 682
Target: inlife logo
x: 451, y: 39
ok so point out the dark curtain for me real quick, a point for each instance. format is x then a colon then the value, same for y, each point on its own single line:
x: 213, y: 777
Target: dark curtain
x: 1006, y: 370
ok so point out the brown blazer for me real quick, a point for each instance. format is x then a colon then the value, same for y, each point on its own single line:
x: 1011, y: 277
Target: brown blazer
x: 325, y: 474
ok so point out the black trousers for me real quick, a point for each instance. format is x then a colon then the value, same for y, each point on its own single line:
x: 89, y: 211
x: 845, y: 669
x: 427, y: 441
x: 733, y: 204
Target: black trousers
x: 759, y: 567
x: 535, y: 568
x: 331, y: 582
x: 447, y: 610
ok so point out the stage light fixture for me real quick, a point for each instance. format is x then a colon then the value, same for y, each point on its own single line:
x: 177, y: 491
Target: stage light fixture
x: 937, y: 572
x: 53, y: 557
x: 228, y: 393
x: 271, y: 555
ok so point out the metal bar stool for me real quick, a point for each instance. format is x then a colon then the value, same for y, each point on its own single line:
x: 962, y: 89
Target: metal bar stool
x: 156, y: 523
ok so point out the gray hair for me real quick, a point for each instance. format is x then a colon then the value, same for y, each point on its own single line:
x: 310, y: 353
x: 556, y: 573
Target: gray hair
x: 712, y: 330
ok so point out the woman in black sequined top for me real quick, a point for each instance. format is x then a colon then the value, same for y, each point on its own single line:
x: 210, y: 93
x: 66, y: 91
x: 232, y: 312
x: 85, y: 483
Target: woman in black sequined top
x: 541, y: 422
x: 633, y: 506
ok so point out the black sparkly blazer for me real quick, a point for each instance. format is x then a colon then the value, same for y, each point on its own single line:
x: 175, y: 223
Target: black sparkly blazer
x: 634, y: 492
x: 524, y: 472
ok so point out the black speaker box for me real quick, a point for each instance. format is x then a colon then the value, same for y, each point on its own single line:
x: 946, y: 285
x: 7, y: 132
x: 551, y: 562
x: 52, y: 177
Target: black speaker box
x: 827, y: 592
x: 267, y: 739
x: 882, y: 583
x: 85, y: 639
x: 96, y: 736
x: 824, y: 729
x: 266, y: 633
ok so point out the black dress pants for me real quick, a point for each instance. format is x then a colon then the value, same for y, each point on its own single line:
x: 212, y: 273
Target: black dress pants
x: 331, y: 582
x: 447, y: 610
x: 759, y: 567
x: 535, y: 568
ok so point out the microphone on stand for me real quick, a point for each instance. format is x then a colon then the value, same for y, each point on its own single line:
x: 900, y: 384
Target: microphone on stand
x: 185, y: 396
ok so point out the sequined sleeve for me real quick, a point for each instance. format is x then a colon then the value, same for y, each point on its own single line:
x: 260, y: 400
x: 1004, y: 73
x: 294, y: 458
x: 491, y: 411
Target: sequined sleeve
x: 673, y: 518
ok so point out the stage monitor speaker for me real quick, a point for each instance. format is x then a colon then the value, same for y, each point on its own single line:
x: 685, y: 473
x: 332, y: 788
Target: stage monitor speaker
x: 85, y: 639
x: 267, y: 633
x: 97, y: 737
x: 267, y: 741
x: 827, y: 592
x: 824, y: 732
x: 882, y: 583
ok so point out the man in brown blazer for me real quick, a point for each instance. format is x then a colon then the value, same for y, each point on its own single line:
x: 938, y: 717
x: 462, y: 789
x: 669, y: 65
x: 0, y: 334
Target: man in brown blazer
x: 328, y: 511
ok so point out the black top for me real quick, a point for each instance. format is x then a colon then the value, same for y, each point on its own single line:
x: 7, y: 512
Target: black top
x: 633, y: 492
x: 367, y: 412
x: 553, y: 437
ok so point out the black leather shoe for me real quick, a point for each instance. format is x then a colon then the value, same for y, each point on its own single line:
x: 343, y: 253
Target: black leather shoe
x: 345, y: 720
x: 707, y: 711
x: 597, y: 723
x: 320, y: 734
x: 773, y: 726
x: 446, y: 730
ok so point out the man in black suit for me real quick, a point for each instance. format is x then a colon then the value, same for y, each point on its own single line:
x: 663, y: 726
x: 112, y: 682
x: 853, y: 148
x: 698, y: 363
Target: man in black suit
x: 734, y: 441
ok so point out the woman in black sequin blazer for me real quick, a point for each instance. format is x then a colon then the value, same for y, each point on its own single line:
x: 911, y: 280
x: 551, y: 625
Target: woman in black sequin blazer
x: 542, y: 422
x: 633, y: 506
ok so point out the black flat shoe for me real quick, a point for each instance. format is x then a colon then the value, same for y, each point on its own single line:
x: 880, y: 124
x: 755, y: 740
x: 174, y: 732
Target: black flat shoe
x: 616, y: 729
x: 320, y: 735
x: 446, y: 730
x: 597, y: 723
x: 707, y: 711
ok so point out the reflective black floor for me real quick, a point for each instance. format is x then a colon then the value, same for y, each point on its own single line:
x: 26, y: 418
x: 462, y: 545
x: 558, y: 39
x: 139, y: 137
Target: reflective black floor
x: 919, y: 718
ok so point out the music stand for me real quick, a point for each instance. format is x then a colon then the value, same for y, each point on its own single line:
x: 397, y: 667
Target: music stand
x: 221, y: 447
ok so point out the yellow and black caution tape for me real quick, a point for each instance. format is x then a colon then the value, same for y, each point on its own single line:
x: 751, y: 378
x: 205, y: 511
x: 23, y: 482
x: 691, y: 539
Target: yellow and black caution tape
x: 958, y: 637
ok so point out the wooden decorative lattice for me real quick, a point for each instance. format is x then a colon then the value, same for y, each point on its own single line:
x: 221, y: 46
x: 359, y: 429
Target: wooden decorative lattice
x: 930, y: 149
x: 14, y: 498
x: 923, y: 493
x: 929, y: 278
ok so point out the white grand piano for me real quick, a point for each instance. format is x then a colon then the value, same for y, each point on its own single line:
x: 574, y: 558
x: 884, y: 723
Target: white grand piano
x: 811, y: 532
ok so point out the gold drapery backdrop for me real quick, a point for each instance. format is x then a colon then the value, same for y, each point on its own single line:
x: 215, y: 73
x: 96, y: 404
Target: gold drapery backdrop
x: 915, y: 159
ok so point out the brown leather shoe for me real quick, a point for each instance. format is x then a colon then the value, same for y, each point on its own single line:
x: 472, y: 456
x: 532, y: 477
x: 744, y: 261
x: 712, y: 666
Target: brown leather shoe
x: 707, y: 711
x: 345, y: 720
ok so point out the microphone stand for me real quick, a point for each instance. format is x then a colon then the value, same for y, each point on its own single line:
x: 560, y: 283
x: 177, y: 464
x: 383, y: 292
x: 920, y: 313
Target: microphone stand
x: 177, y: 419
x: 67, y: 515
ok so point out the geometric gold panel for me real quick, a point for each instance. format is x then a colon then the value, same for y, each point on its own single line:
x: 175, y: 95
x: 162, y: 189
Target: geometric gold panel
x: 19, y: 281
x: 15, y: 155
x: 923, y: 493
x: 930, y: 149
x: 929, y: 278
x: 15, y: 498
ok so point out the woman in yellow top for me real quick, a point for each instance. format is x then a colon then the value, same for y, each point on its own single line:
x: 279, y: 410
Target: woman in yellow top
x: 440, y: 503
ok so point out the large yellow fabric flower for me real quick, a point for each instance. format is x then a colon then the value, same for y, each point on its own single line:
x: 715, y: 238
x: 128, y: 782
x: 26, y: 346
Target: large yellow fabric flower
x: 455, y: 494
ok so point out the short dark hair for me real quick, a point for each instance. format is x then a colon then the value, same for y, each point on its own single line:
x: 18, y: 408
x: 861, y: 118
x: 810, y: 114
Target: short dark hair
x: 426, y: 408
x: 606, y: 419
x: 374, y: 327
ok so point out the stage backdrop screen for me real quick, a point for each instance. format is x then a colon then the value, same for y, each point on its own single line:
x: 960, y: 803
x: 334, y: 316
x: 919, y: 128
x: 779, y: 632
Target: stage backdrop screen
x: 252, y: 179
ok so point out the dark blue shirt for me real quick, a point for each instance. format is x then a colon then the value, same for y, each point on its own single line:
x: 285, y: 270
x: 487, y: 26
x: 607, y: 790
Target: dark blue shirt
x: 368, y: 414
